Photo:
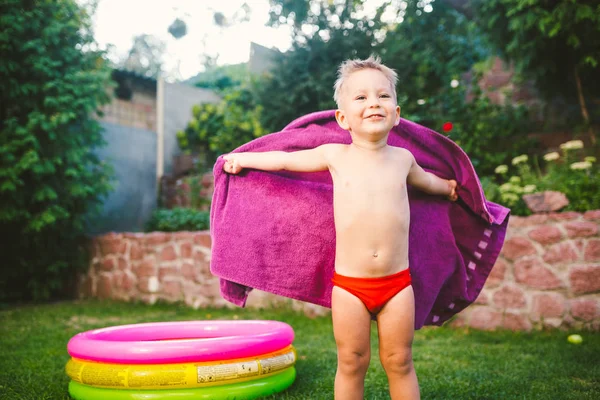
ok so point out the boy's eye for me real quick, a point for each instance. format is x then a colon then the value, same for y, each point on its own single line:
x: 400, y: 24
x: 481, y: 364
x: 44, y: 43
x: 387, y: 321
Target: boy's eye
x: 386, y: 96
x: 360, y: 97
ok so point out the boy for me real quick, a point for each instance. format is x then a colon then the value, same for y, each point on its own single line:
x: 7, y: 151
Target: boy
x: 371, y: 214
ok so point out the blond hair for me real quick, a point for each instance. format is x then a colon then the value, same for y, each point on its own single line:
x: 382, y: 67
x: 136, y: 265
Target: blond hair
x: 348, y: 67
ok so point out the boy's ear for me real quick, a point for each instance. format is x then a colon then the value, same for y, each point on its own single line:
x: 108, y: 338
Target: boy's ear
x: 397, y: 116
x: 341, y: 119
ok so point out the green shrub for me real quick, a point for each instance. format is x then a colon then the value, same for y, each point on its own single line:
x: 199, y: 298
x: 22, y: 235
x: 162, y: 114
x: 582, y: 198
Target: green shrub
x: 490, y: 134
x: 509, y: 194
x: 217, y: 129
x: 178, y: 219
x: 572, y: 173
x: 52, y: 81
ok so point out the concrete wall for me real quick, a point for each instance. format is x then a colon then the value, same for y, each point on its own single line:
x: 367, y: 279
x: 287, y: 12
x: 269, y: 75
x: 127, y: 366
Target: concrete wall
x: 547, y: 276
x: 178, y: 102
x: 131, y: 136
x: 132, y: 153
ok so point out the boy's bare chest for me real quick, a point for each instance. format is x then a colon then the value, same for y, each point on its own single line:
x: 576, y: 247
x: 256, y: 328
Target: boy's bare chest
x: 383, y: 178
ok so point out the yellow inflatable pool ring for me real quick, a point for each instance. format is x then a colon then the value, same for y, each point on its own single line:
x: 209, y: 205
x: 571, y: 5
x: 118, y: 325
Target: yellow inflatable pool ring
x: 254, y: 389
x: 182, y: 375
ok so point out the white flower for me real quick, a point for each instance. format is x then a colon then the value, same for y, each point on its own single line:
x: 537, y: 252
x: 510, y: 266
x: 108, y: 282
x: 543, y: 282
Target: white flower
x: 515, y: 179
x: 501, y: 169
x: 510, y: 197
x: 529, y: 188
x: 572, y: 145
x: 552, y: 156
x: 506, y: 187
x: 520, y: 159
x: 581, y: 165
x: 421, y: 102
x: 454, y: 83
x: 590, y: 159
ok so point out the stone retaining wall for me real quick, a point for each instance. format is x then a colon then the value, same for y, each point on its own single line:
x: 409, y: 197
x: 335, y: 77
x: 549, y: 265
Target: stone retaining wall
x: 548, y: 274
x: 172, y: 267
x: 153, y: 266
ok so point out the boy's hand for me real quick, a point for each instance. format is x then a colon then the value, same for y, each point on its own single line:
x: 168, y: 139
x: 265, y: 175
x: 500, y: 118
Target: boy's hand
x: 453, y: 196
x: 231, y: 165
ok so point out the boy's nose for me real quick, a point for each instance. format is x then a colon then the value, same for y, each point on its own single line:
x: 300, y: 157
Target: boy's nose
x: 374, y: 102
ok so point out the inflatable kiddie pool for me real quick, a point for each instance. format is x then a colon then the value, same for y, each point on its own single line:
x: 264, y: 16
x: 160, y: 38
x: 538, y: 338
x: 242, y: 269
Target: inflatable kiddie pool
x: 182, y: 360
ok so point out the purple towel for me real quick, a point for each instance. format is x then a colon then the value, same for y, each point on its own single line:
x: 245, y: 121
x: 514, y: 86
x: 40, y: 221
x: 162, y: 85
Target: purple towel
x: 274, y: 231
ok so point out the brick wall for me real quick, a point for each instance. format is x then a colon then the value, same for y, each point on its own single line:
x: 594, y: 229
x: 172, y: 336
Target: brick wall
x: 139, y: 112
x: 172, y: 267
x: 548, y: 274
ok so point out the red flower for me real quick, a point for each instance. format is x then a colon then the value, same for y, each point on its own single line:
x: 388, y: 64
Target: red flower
x: 447, y: 127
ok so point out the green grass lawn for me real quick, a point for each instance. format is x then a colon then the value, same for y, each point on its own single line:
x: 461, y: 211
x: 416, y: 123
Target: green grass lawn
x: 450, y: 363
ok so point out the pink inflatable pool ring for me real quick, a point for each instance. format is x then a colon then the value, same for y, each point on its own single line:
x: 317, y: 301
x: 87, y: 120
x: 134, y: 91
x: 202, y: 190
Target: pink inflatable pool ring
x: 180, y: 342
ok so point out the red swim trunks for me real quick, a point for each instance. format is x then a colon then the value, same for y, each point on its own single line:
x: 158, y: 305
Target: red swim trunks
x: 374, y: 292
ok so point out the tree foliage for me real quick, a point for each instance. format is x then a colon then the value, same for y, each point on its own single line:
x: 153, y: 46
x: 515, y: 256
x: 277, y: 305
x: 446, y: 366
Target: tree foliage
x: 555, y: 43
x: 145, y: 56
x: 489, y: 133
x: 51, y: 83
x: 222, y: 78
x: 217, y: 129
x: 309, y: 17
x: 429, y: 51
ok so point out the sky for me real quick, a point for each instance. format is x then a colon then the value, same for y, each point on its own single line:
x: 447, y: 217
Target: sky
x: 116, y: 22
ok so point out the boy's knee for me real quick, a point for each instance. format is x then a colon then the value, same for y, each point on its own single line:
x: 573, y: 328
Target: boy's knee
x: 352, y: 362
x: 400, y: 363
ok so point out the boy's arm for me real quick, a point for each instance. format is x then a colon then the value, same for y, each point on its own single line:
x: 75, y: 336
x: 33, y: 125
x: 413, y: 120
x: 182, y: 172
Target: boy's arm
x: 300, y: 161
x: 429, y: 183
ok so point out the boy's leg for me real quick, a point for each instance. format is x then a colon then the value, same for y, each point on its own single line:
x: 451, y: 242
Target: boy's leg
x: 352, y: 329
x: 395, y: 325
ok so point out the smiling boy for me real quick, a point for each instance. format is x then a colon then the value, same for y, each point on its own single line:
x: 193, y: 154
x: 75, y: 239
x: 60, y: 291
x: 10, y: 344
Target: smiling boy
x: 372, y: 217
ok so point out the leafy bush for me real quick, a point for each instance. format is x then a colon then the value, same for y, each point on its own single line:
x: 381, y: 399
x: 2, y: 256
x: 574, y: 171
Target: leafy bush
x: 221, y: 78
x: 217, y: 129
x: 51, y: 82
x: 509, y: 194
x: 429, y: 51
x: 489, y: 133
x: 572, y: 173
x: 178, y: 219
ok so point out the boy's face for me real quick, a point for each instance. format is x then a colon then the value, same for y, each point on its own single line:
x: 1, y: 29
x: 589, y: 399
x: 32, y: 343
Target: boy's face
x: 368, y: 105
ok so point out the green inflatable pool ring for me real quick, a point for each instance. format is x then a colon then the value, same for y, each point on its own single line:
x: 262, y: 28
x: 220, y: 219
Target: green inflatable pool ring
x: 241, y: 390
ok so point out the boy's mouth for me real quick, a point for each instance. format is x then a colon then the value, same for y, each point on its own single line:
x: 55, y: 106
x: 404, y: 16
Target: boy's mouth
x: 375, y: 116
